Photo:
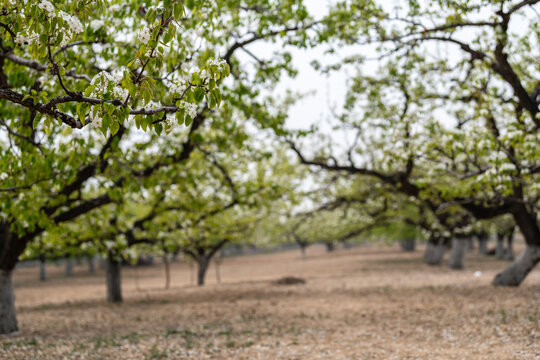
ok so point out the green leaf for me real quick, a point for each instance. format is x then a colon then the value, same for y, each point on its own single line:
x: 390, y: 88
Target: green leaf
x: 115, y: 126
x: 158, y: 128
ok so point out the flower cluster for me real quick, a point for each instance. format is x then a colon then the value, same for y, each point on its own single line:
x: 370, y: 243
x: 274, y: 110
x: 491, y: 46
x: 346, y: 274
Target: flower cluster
x: 144, y: 35
x: 47, y: 7
x: 95, y: 118
x: 190, y: 109
x: 109, y: 82
x: 220, y: 64
x: 74, y: 24
x: 178, y: 87
x: 26, y: 39
x: 152, y: 105
x: 97, y: 24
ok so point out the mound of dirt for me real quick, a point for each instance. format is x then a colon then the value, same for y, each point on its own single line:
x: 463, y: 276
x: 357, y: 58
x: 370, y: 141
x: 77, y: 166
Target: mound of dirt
x: 290, y: 280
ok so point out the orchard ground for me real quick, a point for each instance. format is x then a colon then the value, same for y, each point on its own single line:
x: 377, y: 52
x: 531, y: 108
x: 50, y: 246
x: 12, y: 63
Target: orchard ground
x: 369, y: 302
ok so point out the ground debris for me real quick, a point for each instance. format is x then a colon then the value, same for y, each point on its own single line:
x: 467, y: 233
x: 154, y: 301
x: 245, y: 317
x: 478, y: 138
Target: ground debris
x: 290, y: 280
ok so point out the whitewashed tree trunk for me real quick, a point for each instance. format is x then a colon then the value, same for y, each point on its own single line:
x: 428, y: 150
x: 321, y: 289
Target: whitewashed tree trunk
x: 457, y: 254
x: 8, y: 319
x: 520, y: 268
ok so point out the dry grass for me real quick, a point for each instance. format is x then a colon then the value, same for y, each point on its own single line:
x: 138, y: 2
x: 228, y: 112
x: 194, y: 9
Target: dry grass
x: 363, y: 303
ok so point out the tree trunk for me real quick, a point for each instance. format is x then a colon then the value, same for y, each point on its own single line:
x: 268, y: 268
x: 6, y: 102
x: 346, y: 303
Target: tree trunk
x: 434, y: 253
x: 91, y: 268
x: 114, y: 280
x: 509, y: 254
x: 302, y: 251
x: 330, y: 247
x: 167, y: 271
x: 470, y: 244
x: 8, y: 319
x: 191, y: 274
x: 499, y: 250
x: 457, y: 255
x: 520, y: 268
x: 217, y: 262
x: 482, y: 245
x: 408, y: 245
x: 69, y: 267
x: 202, y: 266
x: 42, y: 270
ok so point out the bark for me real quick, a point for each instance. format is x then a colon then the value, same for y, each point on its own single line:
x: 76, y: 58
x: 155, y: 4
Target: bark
x: 499, y: 250
x: 167, y: 271
x: 408, y: 245
x: 509, y: 255
x: 434, y: 253
x: 8, y: 319
x: 91, y: 268
x: 457, y: 254
x: 218, y: 273
x: 42, y: 270
x: 347, y: 245
x: 470, y: 244
x: 69, y: 267
x: 330, y: 247
x: 114, y: 280
x: 520, y: 268
x: 482, y: 246
x: 202, y: 266
x: 303, y: 251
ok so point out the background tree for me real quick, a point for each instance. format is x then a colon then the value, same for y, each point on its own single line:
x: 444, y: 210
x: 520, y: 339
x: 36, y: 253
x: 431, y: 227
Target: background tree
x: 452, y: 128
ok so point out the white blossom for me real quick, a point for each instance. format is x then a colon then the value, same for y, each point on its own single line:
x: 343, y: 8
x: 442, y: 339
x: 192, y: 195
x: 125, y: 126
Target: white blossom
x: 144, y: 35
x: 109, y: 244
x: 219, y: 63
x: 47, y: 7
x: 74, y: 24
x: 152, y: 105
x: 191, y: 109
x: 26, y: 39
x: 114, y: 8
x: 508, y: 167
x: 178, y: 87
x: 204, y: 75
x: 102, y: 81
x: 97, y: 24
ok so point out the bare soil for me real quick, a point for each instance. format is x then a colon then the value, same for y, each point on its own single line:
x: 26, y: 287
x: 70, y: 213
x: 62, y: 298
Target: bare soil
x: 369, y: 302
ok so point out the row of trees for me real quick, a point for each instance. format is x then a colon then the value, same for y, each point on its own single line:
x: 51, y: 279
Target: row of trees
x: 133, y: 126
